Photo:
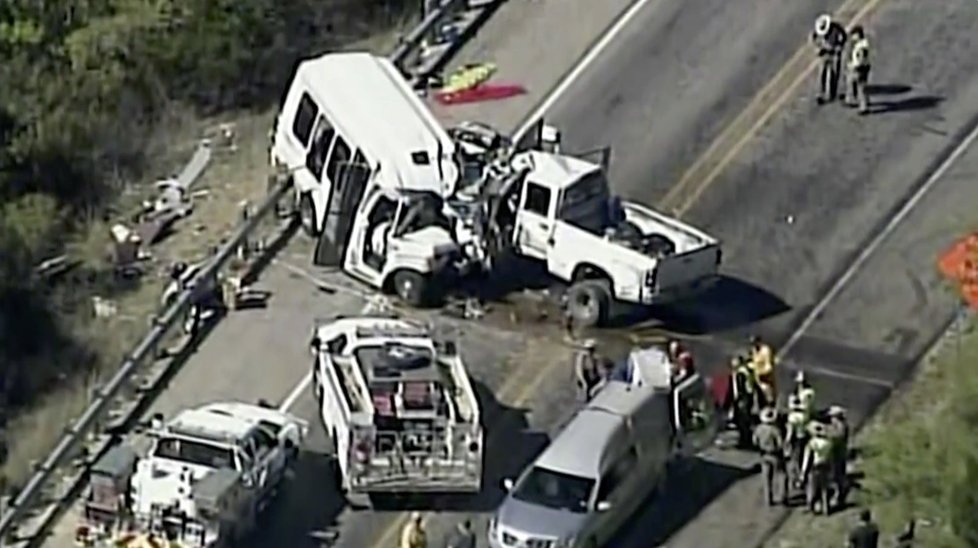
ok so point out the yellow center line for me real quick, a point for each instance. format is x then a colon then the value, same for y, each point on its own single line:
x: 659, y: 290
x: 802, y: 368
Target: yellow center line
x: 771, y: 98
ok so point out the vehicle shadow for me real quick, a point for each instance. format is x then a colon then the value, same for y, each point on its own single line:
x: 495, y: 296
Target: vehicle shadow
x: 684, y: 494
x: 730, y: 303
x: 921, y: 102
x: 510, y: 445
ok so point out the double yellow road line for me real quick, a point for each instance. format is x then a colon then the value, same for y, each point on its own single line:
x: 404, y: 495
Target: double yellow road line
x: 519, y: 388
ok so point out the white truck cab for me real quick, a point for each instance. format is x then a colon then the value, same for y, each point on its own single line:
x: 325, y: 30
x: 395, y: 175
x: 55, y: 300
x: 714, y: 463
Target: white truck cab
x: 355, y: 109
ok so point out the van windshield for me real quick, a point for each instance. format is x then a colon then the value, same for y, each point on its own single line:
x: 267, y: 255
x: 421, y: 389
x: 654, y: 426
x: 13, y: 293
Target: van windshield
x: 555, y: 490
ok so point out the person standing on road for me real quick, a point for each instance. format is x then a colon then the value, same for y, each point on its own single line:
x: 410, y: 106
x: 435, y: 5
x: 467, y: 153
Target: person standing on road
x: 462, y: 537
x: 857, y: 71
x: 414, y: 535
x: 762, y: 364
x: 796, y: 439
x: 681, y: 359
x: 606, y: 369
x: 586, y: 369
x: 866, y: 534
x: 829, y: 39
x: 770, y: 442
x: 838, y: 433
x: 816, y: 468
x: 805, y: 393
x: 743, y: 401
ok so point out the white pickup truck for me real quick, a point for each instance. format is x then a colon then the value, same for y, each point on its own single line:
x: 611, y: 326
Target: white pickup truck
x: 208, y: 475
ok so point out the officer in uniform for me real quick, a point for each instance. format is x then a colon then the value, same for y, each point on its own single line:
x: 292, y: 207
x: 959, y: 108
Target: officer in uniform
x: 762, y: 364
x: 744, y: 400
x: 770, y: 442
x: 796, y: 438
x: 586, y: 369
x: 838, y: 433
x: 829, y: 39
x: 857, y: 71
x: 805, y: 393
x: 413, y: 535
x: 817, y: 467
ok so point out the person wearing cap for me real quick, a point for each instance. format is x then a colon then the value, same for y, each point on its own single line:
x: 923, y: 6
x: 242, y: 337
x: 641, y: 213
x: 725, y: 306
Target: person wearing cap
x: 413, y: 534
x: 805, y: 393
x: 838, y: 434
x: 829, y: 39
x: 770, y: 442
x: 857, y: 71
x: 586, y: 368
x: 816, y: 468
x: 462, y: 537
x: 796, y: 438
x: 762, y: 364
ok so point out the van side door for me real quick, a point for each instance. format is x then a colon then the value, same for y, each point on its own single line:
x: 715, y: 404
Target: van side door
x: 618, y: 488
x: 694, y: 415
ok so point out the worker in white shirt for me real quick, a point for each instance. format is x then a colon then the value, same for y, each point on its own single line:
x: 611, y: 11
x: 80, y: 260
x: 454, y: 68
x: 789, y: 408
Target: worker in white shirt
x: 858, y: 70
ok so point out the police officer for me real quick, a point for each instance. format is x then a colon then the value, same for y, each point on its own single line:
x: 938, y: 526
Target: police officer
x: 829, y: 39
x: 770, y: 442
x: 817, y: 467
x: 838, y: 433
x: 413, y: 535
x: 762, y: 364
x: 586, y: 369
x: 796, y: 438
x: 857, y: 71
x: 805, y: 393
x: 744, y: 400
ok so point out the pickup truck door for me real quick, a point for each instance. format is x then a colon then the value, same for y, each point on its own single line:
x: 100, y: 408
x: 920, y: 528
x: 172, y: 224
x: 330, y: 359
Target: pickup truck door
x: 694, y: 415
x: 341, y: 209
x: 535, y: 221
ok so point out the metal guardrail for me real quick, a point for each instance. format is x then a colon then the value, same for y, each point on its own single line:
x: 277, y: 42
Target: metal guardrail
x: 416, y: 66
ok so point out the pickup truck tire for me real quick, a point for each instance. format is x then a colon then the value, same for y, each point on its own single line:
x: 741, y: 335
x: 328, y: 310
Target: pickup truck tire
x: 588, y: 302
x: 411, y: 287
x: 307, y: 216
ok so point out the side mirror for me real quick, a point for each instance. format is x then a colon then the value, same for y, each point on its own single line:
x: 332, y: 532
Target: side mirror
x: 508, y: 484
x: 603, y: 506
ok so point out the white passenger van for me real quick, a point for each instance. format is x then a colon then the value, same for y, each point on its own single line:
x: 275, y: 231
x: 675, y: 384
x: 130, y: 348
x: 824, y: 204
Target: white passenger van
x: 355, y: 108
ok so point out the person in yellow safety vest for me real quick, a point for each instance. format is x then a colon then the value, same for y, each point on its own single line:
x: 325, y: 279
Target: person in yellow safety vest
x: 857, y: 71
x: 762, y: 364
x: 817, y: 468
x: 413, y: 535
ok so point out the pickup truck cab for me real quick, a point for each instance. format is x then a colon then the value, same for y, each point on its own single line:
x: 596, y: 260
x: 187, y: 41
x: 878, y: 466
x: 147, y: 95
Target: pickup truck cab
x: 633, y: 254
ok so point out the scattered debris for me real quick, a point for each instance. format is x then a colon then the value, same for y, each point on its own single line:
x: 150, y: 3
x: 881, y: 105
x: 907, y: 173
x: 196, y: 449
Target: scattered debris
x: 128, y: 251
x: 175, y: 199
x: 468, y: 85
x: 960, y: 265
x: 104, y: 308
x: 790, y: 219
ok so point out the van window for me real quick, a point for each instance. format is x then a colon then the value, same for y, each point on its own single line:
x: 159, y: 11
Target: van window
x: 316, y: 158
x: 305, y: 115
x: 618, y: 474
x: 555, y: 490
x: 537, y: 199
x: 341, y: 155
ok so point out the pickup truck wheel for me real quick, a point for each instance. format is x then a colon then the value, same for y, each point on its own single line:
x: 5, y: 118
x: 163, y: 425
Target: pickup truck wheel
x: 588, y: 302
x: 411, y: 287
x: 307, y: 216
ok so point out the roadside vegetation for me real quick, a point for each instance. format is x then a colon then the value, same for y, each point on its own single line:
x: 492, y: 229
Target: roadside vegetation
x: 95, y: 96
x: 918, y: 460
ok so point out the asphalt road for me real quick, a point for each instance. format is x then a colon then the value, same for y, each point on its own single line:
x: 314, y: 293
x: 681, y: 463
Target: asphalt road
x: 660, y: 93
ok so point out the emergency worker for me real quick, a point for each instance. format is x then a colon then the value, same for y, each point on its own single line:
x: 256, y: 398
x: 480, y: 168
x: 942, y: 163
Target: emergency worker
x: 681, y: 359
x: 605, y: 370
x: 857, y: 71
x: 829, y: 39
x: 770, y: 442
x: 762, y: 364
x: 413, y: 534
x: 744, y: 400
x: 838, y: 434
x: 586, y: 369
x: 805, y: 393
x: 796, y: 438
x: 817, y: 468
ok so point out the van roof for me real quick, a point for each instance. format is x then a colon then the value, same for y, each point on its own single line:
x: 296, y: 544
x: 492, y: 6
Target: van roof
x: 369, y: 100
x: 620, y: 398
x: 580, y: 446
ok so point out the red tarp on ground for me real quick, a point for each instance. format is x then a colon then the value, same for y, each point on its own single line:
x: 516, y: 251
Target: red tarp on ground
x: 960, y: 265
x: 483, y: 92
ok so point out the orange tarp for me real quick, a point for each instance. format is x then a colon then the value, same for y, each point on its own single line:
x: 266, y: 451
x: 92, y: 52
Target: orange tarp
x: 960, y: 265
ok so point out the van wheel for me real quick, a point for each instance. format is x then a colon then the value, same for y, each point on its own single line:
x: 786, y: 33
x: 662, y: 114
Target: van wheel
x: 588, y: 302
x: 411, y: 287
x: 307, y: 216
